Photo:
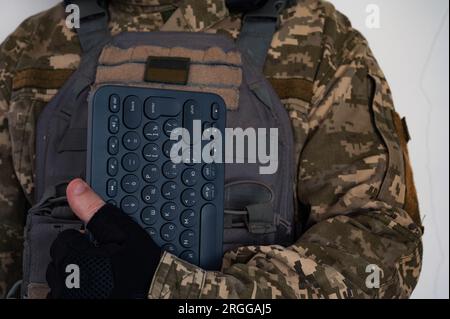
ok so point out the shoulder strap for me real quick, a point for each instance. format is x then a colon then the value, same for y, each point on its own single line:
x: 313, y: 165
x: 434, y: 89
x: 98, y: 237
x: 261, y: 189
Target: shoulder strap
x: 93, y: 22
x: 258, y: 29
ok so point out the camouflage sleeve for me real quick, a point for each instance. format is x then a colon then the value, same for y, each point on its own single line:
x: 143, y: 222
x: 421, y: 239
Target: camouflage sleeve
x: 12, y: 199
x: 363, y: 237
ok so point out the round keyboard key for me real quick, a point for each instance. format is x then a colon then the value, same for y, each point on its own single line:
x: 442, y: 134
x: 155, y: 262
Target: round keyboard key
x: 130, y: 183
x: 170, y: 190
x: 152, y: 232
x: 150, y: 173
x: 129, y: 205
x: 149, y: 216
x: 170, y: 170
x: 170, y: 249
x: 210, y: 172
x: 113, y: 146
x: 189, y: 197
x: 169, y: 211
x: 151, y: 152
x: 131, y: 162
x: 131, y: 141
x: 114, y: 103
x: 188, y: 218
x: 209, y: 192
x: 114, y: 124
x: 190, y: 177
x: 189, y: 256
x: 168, y: 232
x: 150, y: 194
x: 152, y: 131
x: 170, y: 125
x: 187, y: 238
x: 167, y: 148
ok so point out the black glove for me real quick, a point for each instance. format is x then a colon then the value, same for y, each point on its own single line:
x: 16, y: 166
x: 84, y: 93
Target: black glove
x: 120, y: 265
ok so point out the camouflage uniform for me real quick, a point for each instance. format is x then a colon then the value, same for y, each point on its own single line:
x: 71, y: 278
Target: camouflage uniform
x: 354, y: 184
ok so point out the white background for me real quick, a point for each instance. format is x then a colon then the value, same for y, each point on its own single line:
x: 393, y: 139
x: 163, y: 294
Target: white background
x: 412, y: 46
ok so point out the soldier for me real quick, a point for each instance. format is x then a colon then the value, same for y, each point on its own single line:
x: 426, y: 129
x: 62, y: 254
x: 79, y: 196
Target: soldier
x: 354, y: 187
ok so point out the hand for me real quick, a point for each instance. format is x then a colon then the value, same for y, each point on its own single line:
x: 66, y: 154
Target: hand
x: 120, y: 265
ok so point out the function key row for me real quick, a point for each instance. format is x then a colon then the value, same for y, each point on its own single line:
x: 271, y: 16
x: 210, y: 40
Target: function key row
x: 156, y: 107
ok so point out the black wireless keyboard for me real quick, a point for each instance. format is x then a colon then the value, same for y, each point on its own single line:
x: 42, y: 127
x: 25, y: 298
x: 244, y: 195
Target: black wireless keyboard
x: 129, y: 165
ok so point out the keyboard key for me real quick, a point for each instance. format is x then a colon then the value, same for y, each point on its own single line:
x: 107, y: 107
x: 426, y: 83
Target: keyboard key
x: 151, y: 152
x: 170, y: 125
x: 150, y: 173
x: 209, y: 172
x: 170, y: 249
x: 153, y: 233
x: 189, y: 256
x: 215, y: 111
x: 169, y: 211
x: 156, y: 107
x: 167, y: 148
x: 187, y: 239
x: 190, y: 177
x: 129, y: 205
x: 114, y: 103
x: 149, y: 216
x: 188, y: 218
x: 150, y: 194
x: 132, y: 112
x: 191, y: 156
x: 170, y: 190
x: 152, y: 131
x: 206, y: 125
x: 189, y: 197
x: 192, y: 111
x: 170, y: 170
x: 131, y: 162
x: 113, y: 167
x: 209, y: 192
x: 113, y: 146
x: 130, y: 183
x: 112, y: 188
x: 131, y: 141
x: 168, y: 232
x: 114, y: 124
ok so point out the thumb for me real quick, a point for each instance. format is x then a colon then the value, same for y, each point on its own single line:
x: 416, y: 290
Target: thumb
x: 82, y: 200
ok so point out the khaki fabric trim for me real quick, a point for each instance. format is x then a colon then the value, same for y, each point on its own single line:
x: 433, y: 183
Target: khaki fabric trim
x: 41, y: 78
x: 293, y: 88
x: 411, y: 200
x: 37, y: 291
x: 113, y: 55
x: 213, y: 75
x: 211, y: 71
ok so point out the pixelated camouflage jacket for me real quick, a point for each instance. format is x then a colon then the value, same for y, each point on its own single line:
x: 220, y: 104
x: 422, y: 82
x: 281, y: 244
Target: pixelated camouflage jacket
x: 354, y: 182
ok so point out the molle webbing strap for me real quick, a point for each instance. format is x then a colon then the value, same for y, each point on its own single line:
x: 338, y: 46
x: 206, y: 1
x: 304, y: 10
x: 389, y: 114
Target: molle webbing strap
x: 93, y: 22
x: 258, y: 29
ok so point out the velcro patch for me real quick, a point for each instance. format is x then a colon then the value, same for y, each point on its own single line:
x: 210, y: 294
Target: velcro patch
x: 169, y: 70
